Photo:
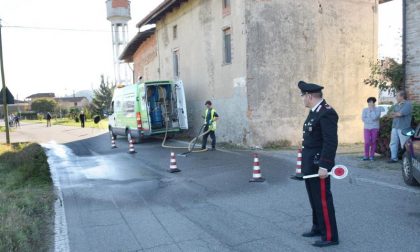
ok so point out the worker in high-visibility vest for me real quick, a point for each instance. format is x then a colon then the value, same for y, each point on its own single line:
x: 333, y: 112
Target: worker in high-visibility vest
x: 210, y: 117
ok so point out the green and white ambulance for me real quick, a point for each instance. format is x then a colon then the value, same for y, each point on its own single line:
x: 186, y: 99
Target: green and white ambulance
x: 148, y: 108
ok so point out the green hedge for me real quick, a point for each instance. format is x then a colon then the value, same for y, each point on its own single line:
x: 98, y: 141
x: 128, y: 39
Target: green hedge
x: 28, y: 115
x: 386, y: 127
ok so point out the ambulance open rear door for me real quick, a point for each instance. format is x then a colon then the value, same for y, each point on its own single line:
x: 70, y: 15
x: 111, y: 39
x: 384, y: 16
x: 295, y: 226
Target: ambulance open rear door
x: 181, y: 105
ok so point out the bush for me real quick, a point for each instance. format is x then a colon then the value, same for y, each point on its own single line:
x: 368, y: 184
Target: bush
x: 40, y: 117
x: 30, y: 115
x: 416, y: 113
x: 44, y: 105
x: 385, y: 128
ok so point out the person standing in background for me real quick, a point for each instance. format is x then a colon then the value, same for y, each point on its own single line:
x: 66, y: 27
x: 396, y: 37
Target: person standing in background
x: 82, y: 118
x: 17, y: 122
x: 401, y: 115
x: 370, y: 117
x: 48, y: 119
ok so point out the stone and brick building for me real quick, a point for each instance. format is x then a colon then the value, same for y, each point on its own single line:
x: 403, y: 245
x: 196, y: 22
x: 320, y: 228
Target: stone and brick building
x: 411, y: 22
x: 33, y: 97
x: 62, y: 102
x: 247, y: 57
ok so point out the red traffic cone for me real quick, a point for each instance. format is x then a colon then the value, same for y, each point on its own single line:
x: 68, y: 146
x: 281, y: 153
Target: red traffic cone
x: 113, y: 146
x: 298, y: 175
x: 172, y: 167
x: 256, y: 174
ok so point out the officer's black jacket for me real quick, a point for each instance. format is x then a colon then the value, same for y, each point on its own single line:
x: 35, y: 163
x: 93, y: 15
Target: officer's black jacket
x: 320, y: 139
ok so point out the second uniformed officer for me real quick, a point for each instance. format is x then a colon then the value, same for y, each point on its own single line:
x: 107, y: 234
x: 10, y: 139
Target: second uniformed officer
x: 318, y: 153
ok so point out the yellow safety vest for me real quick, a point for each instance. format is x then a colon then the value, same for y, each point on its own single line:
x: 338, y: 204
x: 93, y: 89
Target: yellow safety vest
x: 213, y: 124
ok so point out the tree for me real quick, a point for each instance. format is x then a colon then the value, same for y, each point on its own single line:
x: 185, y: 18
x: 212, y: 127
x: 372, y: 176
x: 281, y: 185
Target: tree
x: 74, y: 113
x: 44, y: 105
x: 102, y: 97
x: 387, y: 75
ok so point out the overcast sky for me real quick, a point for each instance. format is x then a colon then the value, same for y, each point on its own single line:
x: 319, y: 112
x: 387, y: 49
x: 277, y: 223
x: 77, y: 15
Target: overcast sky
x: 390, y: 30
x: 62, y: 61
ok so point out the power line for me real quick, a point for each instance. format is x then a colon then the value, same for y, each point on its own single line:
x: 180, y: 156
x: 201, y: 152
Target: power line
x: 52, y: 28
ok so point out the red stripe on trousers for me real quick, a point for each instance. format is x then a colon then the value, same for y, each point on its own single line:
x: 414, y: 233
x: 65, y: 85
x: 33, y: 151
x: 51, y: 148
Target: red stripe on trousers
x: 325, y: 209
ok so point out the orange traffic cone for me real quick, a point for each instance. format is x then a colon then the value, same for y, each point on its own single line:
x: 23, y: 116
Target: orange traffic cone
x: 256, y: 174
x: 172, y: 167
x: 113, y: 146
x: 298, y: 175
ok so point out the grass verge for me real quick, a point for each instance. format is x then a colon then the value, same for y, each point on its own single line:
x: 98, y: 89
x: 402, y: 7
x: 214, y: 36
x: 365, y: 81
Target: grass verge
x: 103, y: 124
x: 3, y: 129
x: 26, y: 198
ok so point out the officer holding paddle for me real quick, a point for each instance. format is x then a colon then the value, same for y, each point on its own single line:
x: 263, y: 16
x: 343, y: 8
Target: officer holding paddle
x: 318, y: 153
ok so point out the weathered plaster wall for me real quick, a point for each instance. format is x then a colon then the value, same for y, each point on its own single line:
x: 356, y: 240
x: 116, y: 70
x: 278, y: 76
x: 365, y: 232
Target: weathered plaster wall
x: 413, y: 49
x: 200, y: 25
x: 146, y: 62
x: 322, y: 41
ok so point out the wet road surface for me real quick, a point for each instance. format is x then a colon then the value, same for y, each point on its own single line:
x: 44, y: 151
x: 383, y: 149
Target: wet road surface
x: 115, y: 201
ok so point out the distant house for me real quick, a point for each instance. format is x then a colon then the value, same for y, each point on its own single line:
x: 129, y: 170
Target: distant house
x: 16, y: 108
x: 39, y: 96
x: 411, y: 24
x: 72, y: 102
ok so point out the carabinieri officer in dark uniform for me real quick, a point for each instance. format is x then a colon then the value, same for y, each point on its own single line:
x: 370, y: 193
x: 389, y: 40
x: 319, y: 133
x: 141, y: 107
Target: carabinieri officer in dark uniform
x: 318, y: 153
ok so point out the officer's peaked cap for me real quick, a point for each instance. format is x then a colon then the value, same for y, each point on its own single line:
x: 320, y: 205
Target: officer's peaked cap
x: 309, y: 87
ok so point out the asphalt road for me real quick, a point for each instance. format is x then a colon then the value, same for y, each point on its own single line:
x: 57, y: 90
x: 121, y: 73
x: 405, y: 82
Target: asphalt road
x: 115, y: 201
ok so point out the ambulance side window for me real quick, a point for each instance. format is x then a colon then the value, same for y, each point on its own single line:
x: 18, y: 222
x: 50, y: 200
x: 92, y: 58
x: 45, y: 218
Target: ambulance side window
x: 128, y: 106
x: 111, y: 109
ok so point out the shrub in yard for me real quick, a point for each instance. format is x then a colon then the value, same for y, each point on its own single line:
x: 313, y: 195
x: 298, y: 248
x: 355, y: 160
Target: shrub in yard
x: 30, y: 115
x: 40, y: 117
x: 416, y: 113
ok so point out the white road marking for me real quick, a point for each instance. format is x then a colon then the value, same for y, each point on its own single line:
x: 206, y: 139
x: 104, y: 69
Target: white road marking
x: 61, y: 239
x: 384, y: 184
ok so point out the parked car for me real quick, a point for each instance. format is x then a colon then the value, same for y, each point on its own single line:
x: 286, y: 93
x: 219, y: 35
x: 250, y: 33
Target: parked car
x: 411, y: 157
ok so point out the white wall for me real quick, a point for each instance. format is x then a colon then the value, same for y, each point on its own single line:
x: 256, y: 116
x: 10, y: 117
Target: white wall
x: 200, y: 44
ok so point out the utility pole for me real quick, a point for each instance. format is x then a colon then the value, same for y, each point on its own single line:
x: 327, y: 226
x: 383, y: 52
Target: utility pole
x: 6, y: 114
